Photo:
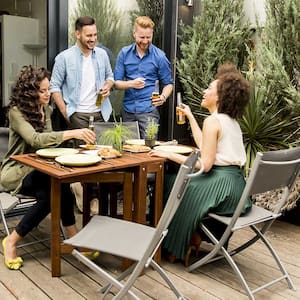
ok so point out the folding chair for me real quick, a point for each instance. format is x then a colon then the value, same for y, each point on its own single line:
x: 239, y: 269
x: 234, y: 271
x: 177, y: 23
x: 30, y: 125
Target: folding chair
x: 132, y: 240
x: 12, y: 206
x: 271, y: 170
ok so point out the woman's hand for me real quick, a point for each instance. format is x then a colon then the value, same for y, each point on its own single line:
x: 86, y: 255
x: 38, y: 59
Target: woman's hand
x: 84, y: 134
x: 185, y: 109
x: 87, y: 135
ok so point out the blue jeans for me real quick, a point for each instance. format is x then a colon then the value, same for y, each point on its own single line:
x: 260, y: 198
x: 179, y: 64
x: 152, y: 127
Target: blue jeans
x: 142, y: 119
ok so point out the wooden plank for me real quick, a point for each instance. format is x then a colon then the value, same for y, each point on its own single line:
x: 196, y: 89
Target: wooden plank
x: 5, y: 293
x: 210, y: 282
x: 20, y: 285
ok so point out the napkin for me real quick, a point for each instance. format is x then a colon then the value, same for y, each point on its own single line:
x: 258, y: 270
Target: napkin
x: 106, y: 109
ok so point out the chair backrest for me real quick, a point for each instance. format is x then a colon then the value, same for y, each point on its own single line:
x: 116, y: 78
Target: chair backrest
x: 4, y: 135
x: 271, y: 170
x: 179, y: 187
x: 102, y: 126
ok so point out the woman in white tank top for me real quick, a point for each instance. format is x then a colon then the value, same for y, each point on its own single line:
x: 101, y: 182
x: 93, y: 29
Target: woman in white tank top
x: 223, y: 155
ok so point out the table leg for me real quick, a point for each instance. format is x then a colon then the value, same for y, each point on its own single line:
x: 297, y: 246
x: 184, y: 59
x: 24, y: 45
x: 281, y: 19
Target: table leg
x: 55, y: 227
x: 140, y: 193
x: 158, y: 169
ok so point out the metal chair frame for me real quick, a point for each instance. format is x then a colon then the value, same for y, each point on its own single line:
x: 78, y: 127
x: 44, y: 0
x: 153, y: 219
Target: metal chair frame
x: 131, y: 240
x: 271, y: 170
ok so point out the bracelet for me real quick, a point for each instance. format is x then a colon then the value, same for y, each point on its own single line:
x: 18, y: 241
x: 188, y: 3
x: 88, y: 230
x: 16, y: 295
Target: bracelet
x: 164, y: 97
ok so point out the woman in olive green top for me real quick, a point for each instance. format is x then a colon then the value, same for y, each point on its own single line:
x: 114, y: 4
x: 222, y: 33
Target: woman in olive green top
x: 30, y: 129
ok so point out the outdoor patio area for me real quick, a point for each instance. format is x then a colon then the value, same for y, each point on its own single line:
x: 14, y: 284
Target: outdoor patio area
x: 214, y: 281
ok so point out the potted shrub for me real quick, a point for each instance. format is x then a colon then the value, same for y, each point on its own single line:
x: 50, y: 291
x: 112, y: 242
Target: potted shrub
x: 115, y: 136
x: 151, y: 132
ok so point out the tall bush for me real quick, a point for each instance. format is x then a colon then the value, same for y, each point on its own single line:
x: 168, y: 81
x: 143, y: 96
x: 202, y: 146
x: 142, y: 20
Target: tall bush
x: 155, y: 10
x: 279, y: 55
x: 107, y: 17
x: 217, y: 35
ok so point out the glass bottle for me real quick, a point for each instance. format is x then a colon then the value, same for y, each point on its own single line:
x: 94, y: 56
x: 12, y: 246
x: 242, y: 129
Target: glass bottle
x: 99, y: 99
x: 91, y: 127
x: 180, y: 116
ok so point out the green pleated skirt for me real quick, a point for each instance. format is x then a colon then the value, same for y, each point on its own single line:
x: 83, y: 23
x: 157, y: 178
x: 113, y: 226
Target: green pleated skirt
x: 217, y: 191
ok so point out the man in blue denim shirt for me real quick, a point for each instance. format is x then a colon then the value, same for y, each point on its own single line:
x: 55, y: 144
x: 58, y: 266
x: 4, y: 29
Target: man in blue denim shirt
x: 139, y: 67
x: 79, y: 74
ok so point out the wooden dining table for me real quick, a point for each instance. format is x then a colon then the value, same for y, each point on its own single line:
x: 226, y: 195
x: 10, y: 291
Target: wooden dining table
x: 139, y: 163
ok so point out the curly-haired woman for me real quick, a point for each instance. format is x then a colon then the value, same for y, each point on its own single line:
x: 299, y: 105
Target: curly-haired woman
x: 30, y: 129
x: 223, y: 155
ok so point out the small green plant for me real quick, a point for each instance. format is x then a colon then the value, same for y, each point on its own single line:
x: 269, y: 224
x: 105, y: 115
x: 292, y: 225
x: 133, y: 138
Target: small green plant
x: 115, y: 136
x: 151, y: 129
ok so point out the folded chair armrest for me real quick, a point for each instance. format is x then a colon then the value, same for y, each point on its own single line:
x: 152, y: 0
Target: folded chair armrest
x: 198, y: 172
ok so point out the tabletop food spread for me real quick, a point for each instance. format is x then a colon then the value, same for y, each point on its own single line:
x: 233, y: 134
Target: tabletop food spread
x: 136, y: 148
x: 93, y: 146
x: 90, y: 156
x: 109, y: 153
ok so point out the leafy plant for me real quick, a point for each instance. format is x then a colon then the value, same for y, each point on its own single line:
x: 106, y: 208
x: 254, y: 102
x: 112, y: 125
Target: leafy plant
x: 151, y: 129
x: 262, y: 128
x: 279, y: 55
x: 115, y: 136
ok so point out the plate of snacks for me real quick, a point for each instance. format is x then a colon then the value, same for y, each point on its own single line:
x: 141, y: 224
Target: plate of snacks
x: 93, y: 146
x: 108, y: 152
x: 136, y: 148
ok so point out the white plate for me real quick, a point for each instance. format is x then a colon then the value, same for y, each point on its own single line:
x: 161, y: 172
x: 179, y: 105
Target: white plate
x: 97, y: 147
x: 54, y: 152
x: 91, y: 152
x: 138, y: 142
x: 78, y: 160
x: 175, y: 149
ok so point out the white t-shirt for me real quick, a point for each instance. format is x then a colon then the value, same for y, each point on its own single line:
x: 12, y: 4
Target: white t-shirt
x: 88, y: 93
x: 230, y: 147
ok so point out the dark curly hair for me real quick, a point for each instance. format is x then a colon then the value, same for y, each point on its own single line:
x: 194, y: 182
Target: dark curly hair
x: 25, y: 94
x: 227, y: 67
x: 233, y: 93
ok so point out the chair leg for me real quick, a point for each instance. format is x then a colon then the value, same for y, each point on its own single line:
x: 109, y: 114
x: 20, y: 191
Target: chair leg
x: 276, y: 258
x: 4, y: 222
x: 163, y: 274
x: 105, y: 275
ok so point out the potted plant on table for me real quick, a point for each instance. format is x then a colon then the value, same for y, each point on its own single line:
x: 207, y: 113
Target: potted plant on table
x: 151, y: 132
x: 115, y: 136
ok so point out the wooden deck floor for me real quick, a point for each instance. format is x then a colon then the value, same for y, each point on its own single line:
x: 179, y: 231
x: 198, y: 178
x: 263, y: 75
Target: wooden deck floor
x: 214, y: 281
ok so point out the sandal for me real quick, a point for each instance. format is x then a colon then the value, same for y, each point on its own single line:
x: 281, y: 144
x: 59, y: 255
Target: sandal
x: 91, y: 254
x: 194, y: 244
x: 11, y: 264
